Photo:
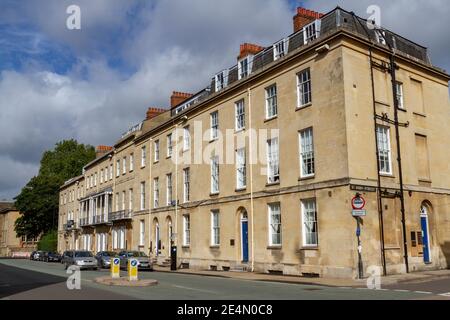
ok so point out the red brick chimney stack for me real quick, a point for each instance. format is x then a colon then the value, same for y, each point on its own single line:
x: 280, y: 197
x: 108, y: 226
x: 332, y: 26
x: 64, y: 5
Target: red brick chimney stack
x: 248, y: 48
x: 153, y: 112
x: 178, y: 97
x: 101, y: 150
x: 304, y: 17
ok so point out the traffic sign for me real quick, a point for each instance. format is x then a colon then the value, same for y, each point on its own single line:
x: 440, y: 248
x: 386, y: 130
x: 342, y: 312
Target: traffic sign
x: 132, y: 269
x: 115, y: 268
x: 358, y: 203
x: 359, y: 213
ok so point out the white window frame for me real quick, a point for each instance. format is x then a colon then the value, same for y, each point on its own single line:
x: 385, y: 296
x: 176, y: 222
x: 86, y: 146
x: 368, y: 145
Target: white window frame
x: 111, y: 169
x: 384, y: 149
x: 271, y: 101
x: 309, y: 206
x: 215, y: 175
x: 306, y: 148
x: 214, y: 121
x: 215, y: 228
x: 311, y: 31
x: 186, y: 138
x: 130, y: 199
x: 280, y: 49
x: 169, y: 140
x: 169, y: 189
x: 186, y: 184
x: 155, y: 192
x: 304, y: 88
x: 156, y: 152
x: 131, y: 162
x: 124, y: 165
x: 95, y: 179
x: 380, y: 36
x: 274, y: 209
x: 221, y: 80
x: 117, y: 202
x: 141, y: 233
x: 241, y: 169
x: 239, y: 112
x: 142, y: 198
x: 273, y: 161
x: 245, y: 66
x: 123, y: 200
x: 101, y: 176
x: 400, y: 96
x: 143, y: 156
x: 117, y: 168
x: 186, y: 230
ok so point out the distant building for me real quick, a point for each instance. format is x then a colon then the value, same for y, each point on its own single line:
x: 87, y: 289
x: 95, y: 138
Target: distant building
x: 326, y: 98
x: 10, y: 244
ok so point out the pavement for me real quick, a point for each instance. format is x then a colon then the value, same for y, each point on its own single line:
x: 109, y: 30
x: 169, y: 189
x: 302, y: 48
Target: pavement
x: 25, y: 279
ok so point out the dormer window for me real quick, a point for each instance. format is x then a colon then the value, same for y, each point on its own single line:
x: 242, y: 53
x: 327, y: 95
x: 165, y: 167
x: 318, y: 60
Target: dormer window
x: 221, y: 80
x: 245, y: 66
x: 280, y: 49
x: 311, y: 31
x: 381, y: 36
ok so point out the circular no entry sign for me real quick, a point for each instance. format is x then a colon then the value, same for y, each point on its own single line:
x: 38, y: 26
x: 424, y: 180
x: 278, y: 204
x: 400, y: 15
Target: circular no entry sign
x: 358, y: 203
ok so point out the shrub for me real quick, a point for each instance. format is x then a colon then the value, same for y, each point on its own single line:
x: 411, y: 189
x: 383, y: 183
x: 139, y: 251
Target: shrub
x: 49, y: 241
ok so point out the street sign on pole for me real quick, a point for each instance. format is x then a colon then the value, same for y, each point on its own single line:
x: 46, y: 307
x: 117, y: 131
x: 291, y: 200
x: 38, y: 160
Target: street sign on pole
x: 359, y: 213
x: 358, y: 202
x: 133, y: 270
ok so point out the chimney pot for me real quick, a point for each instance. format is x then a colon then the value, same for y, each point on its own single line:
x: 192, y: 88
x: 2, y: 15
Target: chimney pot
x: 304, y: 17
x: 178, y: 97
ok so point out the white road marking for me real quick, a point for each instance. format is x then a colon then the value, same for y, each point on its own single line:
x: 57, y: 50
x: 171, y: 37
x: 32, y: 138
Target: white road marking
x: 195, y: 289
x: 400, y: 290
x: 423, y: 292
x: 445, y: 294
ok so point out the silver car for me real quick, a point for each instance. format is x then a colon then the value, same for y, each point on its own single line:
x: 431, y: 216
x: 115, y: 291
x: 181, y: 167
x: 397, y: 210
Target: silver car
x: 144, y: 262
x: 82, y: 259
x: 104, y: 258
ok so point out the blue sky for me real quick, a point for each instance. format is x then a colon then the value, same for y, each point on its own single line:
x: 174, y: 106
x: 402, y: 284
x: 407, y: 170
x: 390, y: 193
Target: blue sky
x: 94, y: 83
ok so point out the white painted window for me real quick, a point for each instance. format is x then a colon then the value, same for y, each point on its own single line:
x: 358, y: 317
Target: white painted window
x: 400, y: 99
x: 311, y: 31
x: 101, y: 176
x: 110, y: 171
x: 142, y: 204
x: 130, y: 199
x: 380, y: 36
x: 123, y: 199
x: 245, y: 66
x: 169, y: 189
x: 186, y: 230
x: 384, y: 149
x: 95, y: 179
x: 239, y: 115
x: 117, y: 201
x: 124, y: 165
x: 186, y: 138
x: 155, y: 192
x: 306, y: 153
x: 215, y: 228
x: 117, y: 168
x: 115, y: 243
x: 271, y: 102
x: 121, y: 233
x: 221, y: 80
x: 304, y: 88
x: 280, y: 49
x: 156, y: 147
x: 215, y: 174
x: 186, y: 184
x: 309, y: 223
x: 214, y: 125
x: 274, y: 224
x: 241, y: 174
x: 273, y: 169
x: 143, y: 156
x: 131, y: 162
x: 141, y: 232
x: 169, y: 145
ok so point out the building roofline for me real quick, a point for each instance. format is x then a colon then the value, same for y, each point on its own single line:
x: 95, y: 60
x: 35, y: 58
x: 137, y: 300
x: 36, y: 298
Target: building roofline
x: 71, y: 181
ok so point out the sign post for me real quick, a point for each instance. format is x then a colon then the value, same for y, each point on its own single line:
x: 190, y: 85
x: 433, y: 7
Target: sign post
x: 132, y: 269
x: 115, y: 268
x: 358, y: 204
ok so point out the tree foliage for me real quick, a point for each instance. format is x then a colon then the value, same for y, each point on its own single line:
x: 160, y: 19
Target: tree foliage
x: 49, y: 241
x: 39, y: 199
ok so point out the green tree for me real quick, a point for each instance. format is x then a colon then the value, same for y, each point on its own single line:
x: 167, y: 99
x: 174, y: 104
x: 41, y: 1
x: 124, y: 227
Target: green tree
x: 39, y: 199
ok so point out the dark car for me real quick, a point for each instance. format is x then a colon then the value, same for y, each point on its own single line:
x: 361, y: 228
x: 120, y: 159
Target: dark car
x: 104, y: 258
x: 144, y: 261
x: 52, y: 257
x: 64, y: 256
x: 32, y: 255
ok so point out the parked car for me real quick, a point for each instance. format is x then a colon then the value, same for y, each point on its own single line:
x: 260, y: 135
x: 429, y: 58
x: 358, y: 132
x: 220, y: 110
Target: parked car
x: 104, y: 258
x: 144, y: 261
x: 37, y: 255
x: 32, y: 255
x: 42, y: 255
x: 64, y: 256
x: 81, y: 258
x: 52, y: 257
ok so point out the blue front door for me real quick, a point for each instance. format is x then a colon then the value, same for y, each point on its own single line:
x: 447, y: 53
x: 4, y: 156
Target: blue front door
x: 245, y: 241
x: 426, y: 248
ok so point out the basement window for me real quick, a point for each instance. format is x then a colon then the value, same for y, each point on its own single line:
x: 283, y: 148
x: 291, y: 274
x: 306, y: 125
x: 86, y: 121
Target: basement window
x: 311, y: 31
